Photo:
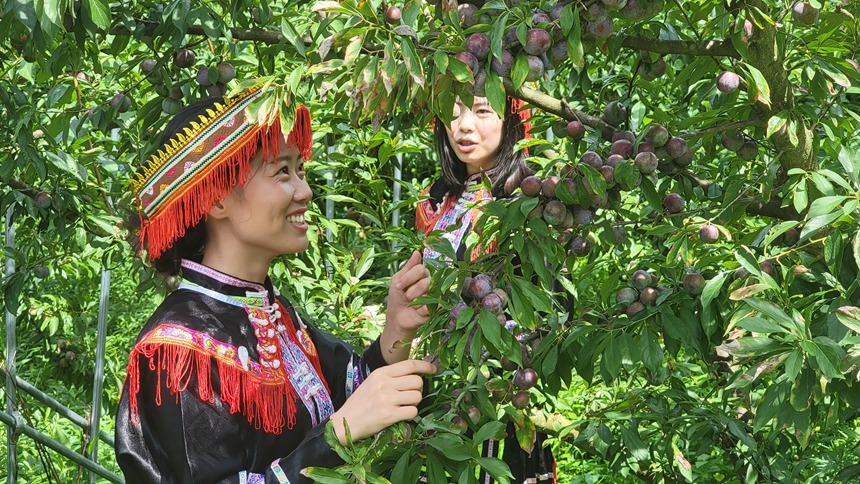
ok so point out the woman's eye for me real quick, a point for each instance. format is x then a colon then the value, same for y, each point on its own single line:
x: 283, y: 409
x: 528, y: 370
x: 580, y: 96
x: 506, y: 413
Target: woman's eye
x: 284, y: 171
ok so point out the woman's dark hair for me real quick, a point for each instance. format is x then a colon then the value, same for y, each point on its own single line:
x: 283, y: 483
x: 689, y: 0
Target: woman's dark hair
x: 190, y: 245
x: 510, y: 167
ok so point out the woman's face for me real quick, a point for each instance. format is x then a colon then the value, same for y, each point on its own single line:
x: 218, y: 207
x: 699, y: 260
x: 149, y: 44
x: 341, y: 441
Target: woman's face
x: 267, y: 216
x: 475, y: 135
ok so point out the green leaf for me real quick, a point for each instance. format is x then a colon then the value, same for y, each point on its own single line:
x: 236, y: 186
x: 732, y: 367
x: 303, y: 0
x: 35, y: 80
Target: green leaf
x: 365, y: 262
x: 63, y: 161
x: 736, y: 429
x: 856, y: 248
x: 825, y: 205
x: 459, y: 70
x: 794, y: 363
x: 776, y: 314
x: 550, y: 362
x: 833, y: 250
x: 630, y: 437
x: 834, y: 74
x: 775, y: 397
x: 492, y: 330
x: 759, y: 90
x: 760, y: 325
x: 526, y: 434
x: 451, y: 446
x: 487, y: 431
x: 757, y: 346
x: 440, y: 58
x: 850, y: 317
x: 498, y: 469
x: 818, y: 223
x: 324, y: 475
x: 848, y: 473
x: 520, y: 70
x: 412, y: 61
x: 575, y: 50
x: 775, y: 122
x: 98, y: 11
x: 829, y: 357
x: 626, y: 174
x: 494, y: 91
x: 850, y: 161
x: 497, y: 34
x: 56, y: 93
x: 801, y: 198
x: 652, y: 352
x: 712, y: 290
x: 595, y: 180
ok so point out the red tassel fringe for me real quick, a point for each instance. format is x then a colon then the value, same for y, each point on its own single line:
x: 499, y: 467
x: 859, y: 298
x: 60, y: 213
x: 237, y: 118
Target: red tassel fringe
x: 261, y: 402
x: 302, y: 136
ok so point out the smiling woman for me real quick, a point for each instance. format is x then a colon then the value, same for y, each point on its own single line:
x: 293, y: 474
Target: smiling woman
x: 252, y: 385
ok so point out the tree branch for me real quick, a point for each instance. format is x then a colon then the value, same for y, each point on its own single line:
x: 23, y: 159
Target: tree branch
x: 722, y: 127
x: 558, y: 107
x: 256, y: 34
x: 22, y: 187
x: 773, y: 209
x: 713, y: 48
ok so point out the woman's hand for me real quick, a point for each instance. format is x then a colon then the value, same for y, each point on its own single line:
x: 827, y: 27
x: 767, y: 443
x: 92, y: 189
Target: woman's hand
x: 402, y: 320
x: 389, y: 395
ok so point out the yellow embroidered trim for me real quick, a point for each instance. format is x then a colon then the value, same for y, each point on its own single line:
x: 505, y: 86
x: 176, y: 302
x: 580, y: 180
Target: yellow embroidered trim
x: 160, y: 158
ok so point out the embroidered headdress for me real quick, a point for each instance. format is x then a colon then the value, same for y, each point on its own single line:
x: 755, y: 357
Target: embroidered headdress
x: 179, y: 183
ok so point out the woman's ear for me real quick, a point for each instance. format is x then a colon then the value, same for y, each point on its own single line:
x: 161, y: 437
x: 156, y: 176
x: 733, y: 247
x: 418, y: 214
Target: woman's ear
x: 219, y: 210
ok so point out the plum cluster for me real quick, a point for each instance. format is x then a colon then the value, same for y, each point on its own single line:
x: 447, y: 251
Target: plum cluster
x: 642, y: 291
x: 540, y: 38
x: 514, y: 388
x: 734, y: 140
x: 481, y: 291
x: 212, y: 80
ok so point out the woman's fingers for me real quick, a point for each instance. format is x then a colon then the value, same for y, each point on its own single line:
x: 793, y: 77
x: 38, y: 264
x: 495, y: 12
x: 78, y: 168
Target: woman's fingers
x: 407, y: 367
x: 418, y: 289
x: 407, y: 382
x: 412, y: 265
x: 412, y: 276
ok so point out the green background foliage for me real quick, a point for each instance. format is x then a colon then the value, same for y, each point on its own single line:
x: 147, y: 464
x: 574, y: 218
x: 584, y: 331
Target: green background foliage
x: 754, y: 379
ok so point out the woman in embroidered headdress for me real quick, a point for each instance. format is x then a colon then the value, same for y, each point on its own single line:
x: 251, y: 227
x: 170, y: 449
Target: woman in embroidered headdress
x: 227, y: 382
x: 479, y: 143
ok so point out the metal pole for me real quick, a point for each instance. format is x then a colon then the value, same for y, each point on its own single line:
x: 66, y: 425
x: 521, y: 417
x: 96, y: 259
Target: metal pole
x: 49, y: 401
x: 395, y: 217
x: 58, y: 448
x: 11, y: 394
x: 101, y: 336
x: 98, y: 380
x: 329, y: 203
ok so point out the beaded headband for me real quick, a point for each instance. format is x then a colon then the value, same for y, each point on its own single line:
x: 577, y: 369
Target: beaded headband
x: 178, y: 185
